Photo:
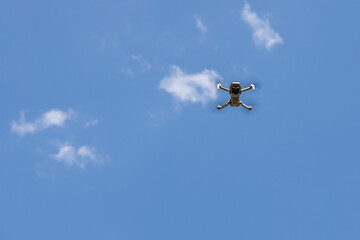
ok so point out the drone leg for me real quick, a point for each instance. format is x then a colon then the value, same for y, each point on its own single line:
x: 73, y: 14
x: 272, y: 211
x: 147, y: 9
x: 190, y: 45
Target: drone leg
x: 220, y: 107
x: 252, y: 86
x: 247, y: 107
x: 221, y: 87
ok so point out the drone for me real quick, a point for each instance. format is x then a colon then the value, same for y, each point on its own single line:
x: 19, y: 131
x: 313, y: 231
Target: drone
x: 235, y: 91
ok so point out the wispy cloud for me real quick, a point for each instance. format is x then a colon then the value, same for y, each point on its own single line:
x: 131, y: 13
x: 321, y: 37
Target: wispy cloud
x: 105, y: 41
x: 90, y: 123
x: 263, y: 35
x: 51, y: 118
x: 79, y: 157
x: 200, y: 25
x: 198, y: 87
x: 145, y: 65
x: 128, y: 71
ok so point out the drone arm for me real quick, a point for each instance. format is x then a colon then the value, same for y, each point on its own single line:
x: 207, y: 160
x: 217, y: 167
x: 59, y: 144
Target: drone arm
x: 247, y: 107
x: 220, y: 107
x: 252, y: 86
x: 219, y: 86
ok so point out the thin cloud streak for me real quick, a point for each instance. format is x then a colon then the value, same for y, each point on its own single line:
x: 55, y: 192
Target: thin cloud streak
x: 90, y: 123
x: 201, y: 26
x: 263, y: 34
x: 51, y: 118
x: 143, y: 63
x: 198, y: 87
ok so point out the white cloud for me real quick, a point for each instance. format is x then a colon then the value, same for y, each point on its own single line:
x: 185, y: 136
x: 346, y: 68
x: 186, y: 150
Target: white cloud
x: 53, y: 117
x: 78, y: 157
x: 198, y: 87
x: 66, y: 154
x: 263, y: 34
x: 143, y: 63
x: 200, y: 25
x: 90, y: 123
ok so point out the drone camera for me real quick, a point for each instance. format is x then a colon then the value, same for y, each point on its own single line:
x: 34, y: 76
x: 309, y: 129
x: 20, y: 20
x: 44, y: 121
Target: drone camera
x: 235, y: 88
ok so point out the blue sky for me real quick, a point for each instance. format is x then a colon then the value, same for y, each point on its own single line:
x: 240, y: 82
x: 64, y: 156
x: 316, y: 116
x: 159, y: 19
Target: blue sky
x: 109, y: 127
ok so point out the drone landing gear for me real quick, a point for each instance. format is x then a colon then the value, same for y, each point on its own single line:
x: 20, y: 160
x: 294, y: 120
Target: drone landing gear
x: 220, y: 107
x: 247, y: 107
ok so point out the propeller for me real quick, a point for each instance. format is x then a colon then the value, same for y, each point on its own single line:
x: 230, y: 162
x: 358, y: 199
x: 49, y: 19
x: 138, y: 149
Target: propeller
x: 253, y: 103
x: 213, y: 107
x: 248, y: 81
x: 245, y: 82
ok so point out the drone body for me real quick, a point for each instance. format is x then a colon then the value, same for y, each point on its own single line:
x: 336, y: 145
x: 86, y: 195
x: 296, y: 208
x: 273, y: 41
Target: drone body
x: 235, y: 91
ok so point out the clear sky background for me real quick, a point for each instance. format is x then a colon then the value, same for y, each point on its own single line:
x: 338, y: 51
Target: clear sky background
x: 107, y: 130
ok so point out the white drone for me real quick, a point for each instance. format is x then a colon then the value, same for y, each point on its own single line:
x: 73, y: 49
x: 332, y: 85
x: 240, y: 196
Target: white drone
x: 235, y: 91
